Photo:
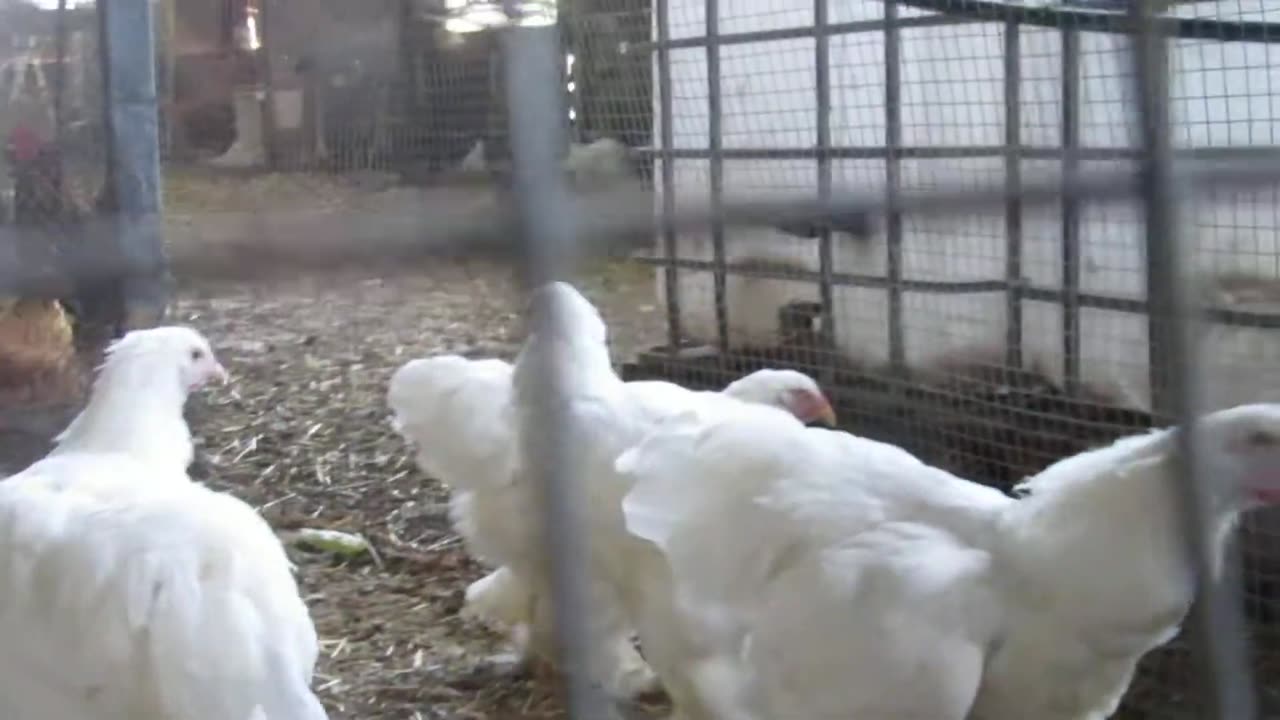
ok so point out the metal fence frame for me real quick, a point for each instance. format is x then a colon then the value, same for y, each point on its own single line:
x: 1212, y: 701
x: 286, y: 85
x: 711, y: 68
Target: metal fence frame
x: 1071, y: 23
x: 1218, y: 626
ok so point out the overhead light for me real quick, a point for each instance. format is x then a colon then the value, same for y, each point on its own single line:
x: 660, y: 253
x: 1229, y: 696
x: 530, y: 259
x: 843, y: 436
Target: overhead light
x: 477, y: 15
x: 536, y: 14
x: 485, y: 15
x: 461, y: 25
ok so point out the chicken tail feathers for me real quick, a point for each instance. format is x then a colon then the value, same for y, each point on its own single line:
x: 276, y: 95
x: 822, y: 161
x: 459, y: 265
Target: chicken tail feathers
x: 286, y: 693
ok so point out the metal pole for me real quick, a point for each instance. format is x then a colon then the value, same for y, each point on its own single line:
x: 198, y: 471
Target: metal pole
x: 822, y: 78
x: 545, y: 211
x: 715, y: 143
x: 171, y: 133
x: 135, y: 142
x: 893, y: 182
x: 1013, y: 182
x: 60, y: 95
x: 667, y: 141
x: 1070, y: 211
x: 1218, y: 631
x: 266, y: 75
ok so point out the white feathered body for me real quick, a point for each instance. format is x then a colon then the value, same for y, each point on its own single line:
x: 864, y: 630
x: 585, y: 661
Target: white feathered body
x: 459, y: 416
x: 826, y: 576
x: 132, y: 593
x: 454, y: 409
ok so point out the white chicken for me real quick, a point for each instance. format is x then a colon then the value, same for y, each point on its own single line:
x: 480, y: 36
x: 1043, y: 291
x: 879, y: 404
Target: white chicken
x: 132, y: 593
x: 459, y: 414
x: 816, y: 575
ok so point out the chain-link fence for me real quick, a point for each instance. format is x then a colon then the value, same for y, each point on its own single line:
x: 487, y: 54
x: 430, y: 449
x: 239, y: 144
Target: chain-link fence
x: 963, y: 218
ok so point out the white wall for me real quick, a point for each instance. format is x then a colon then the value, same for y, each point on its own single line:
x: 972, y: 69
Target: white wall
x: 952, y: 94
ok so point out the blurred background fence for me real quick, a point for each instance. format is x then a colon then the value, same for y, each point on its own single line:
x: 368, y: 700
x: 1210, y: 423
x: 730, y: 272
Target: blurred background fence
x: 989, y: 343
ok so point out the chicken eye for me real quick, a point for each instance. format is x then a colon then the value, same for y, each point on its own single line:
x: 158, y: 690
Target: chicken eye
x: 197, y: 354
x: 1259, y: 439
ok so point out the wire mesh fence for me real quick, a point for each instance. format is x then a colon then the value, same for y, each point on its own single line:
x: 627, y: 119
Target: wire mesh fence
x: 52, y: 175
x: 957, y: 215
x: 991, y: 343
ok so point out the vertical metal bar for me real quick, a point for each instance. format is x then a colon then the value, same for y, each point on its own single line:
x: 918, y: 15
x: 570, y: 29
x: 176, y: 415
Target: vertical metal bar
x: 822, y: 81
x: 1013, y: 183
x: 1070, y: 211
x: 533, y: 64
x: 171, y: 133
x: 106, y: 201
x: 893, y: 182
x: 407, y: 95
x: 715, y: 145
x: 60, y: 87
x: 135, y: 141
x: 1218, y: 633
x: 266, y: 75
x: 665, y: 117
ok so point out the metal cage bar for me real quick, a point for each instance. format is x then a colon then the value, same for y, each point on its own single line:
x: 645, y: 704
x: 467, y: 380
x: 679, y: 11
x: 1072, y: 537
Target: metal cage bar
x: 793, y: 33
x: 667, y: 141
x: 60, y: 84
x: 1070, y: 129
x: 134, y: 159
x: 1013, y: 180
x: 893, y: 182
x: 534, y: 64
x: 935, y: 152
x: 822, y: 102
x: 958, y: 12
x: 715, y: 169
x: 1174, y: 365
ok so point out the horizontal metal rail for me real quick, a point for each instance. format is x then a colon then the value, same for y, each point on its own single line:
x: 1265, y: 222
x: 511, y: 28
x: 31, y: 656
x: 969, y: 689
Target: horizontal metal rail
x: 1029, y: 291
x: 287, y: 244
x: 1058, y: 17
x: 939, y: 152
x: 957, y: 12
x: 794, y: 33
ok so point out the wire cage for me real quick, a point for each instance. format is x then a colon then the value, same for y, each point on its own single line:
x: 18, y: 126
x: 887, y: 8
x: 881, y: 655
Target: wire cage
x: 964, y: 218
x: 53, y: 174
x: 991, y: 342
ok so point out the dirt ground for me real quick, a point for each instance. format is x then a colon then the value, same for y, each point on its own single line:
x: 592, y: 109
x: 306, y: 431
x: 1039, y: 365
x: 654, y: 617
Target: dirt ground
x: 303, y: 434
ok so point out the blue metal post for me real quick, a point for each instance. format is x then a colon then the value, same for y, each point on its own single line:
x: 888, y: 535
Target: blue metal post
x: 135, y: 138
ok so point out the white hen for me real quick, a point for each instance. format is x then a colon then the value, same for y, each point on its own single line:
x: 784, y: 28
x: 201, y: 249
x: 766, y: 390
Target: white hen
x: 459, y: 416
x: 131, y: 592
x: 822, y: 575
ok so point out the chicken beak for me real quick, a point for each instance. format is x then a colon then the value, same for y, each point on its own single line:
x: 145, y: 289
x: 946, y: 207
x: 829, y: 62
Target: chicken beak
x: 826, y: 415
x: 220, y: 374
